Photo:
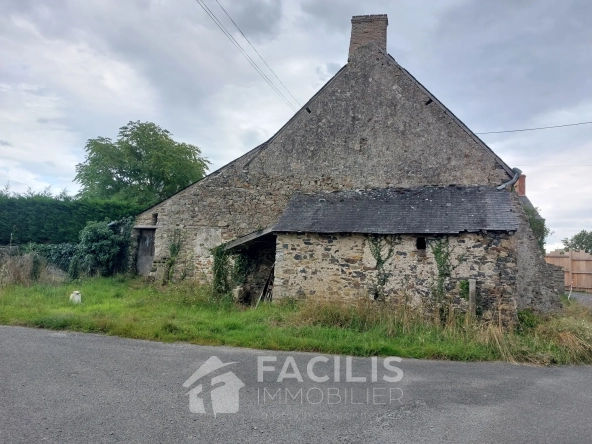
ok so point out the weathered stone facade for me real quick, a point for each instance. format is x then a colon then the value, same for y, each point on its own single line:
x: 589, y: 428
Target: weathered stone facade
x: 343, y: 267
x: 371, y: 126
x: 539, y: 285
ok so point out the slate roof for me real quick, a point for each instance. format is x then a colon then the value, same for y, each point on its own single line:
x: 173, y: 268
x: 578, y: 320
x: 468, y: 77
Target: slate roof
x: 432, y: 210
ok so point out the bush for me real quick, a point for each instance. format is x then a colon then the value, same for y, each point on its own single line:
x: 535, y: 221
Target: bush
x: 103, y: 248
x: 59, y: 255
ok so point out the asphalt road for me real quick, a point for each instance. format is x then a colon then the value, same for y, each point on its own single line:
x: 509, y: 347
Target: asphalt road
x: 61, y: 387
x: 583, y: 298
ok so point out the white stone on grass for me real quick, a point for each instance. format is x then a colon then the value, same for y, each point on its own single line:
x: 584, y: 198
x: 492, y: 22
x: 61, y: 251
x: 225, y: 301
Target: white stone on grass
x: 76, y: 297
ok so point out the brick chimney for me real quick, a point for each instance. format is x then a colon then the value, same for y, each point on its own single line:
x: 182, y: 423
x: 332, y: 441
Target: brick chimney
x: 366, y: 29
x: 521, y: 185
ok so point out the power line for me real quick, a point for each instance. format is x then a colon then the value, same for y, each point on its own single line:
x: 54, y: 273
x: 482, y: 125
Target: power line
x: 535, y: 129
x: 242, y: 51
x: 243, y: 34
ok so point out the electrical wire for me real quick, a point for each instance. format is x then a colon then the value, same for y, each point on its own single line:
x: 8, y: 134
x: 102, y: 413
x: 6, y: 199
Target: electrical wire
x: 242, y: 51
x: 535, y: 129
x: 254, y: 49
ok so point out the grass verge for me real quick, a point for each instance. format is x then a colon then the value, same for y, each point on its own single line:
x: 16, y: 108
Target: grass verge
x: 185, y: 312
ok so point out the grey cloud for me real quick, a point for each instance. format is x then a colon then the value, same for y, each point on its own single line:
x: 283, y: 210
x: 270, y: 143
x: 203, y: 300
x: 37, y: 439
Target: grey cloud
x: 258, y: 19
x: 336, y: 18
x: 252, y: 137
x: 496, y: 65
x: 5, y: 143
x: 521, y: 58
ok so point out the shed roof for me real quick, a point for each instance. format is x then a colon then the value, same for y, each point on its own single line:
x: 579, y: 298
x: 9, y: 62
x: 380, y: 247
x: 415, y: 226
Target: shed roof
x: 433, y: 210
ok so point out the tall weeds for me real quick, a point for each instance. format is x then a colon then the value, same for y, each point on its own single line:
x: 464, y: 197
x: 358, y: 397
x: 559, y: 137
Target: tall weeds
x: 28, y: 269
x: 560, y: 338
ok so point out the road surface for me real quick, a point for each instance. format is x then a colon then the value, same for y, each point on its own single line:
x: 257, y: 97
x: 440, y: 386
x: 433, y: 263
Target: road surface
x: 58, y: 387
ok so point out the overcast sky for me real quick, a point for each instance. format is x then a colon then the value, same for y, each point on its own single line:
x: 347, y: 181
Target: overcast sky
x: 72, y: 70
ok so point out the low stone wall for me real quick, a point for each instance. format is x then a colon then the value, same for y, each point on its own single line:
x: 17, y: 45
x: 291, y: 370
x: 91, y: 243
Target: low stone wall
x: 342, y: 267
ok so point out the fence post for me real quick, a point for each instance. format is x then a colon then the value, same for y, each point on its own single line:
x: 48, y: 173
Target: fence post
x: 570, y: 269
x: 472, y: 297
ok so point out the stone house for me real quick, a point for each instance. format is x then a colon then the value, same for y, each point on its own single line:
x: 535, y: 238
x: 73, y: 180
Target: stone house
x: 372, y: 127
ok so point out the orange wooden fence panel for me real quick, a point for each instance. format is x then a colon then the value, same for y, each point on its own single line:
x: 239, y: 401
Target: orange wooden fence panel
x: 577, y: 266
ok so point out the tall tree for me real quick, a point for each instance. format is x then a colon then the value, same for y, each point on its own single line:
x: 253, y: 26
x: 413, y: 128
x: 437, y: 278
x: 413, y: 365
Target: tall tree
x: 581, y: 241
x: 144, y: 165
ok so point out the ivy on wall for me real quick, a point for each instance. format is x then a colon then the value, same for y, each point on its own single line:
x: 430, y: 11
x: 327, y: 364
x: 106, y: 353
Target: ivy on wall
x: 537, y: 225
x: 443, y: 257
x: 381, y: 248
x: 175, y: 244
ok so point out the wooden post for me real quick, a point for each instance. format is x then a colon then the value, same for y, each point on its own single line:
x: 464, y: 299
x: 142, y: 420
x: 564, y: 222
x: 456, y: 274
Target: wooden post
x: 570, y: 270
x: 472, y: 297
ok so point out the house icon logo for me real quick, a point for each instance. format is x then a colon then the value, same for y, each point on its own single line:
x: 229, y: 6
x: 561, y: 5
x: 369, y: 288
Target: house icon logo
x: 221, y: 395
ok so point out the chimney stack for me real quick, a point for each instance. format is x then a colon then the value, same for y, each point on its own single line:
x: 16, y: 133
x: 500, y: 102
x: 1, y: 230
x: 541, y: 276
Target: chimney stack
x: 521, y: 189
x: 366, y: 29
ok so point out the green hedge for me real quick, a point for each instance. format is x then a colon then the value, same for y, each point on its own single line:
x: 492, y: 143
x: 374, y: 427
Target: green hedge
x: 47, y: 220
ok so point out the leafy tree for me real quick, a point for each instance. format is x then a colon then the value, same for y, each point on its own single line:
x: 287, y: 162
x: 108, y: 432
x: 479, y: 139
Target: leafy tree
x: 144, y: 166
x: 581, y: 241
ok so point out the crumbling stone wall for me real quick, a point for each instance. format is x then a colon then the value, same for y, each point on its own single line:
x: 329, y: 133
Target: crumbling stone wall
x: 342, y: 267
x: 539, y: 284
x: 371, y: 126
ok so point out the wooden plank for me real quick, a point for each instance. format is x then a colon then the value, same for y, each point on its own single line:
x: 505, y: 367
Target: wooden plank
x: 249, y: 237
x: 265, y: 287
x: 577, y: 266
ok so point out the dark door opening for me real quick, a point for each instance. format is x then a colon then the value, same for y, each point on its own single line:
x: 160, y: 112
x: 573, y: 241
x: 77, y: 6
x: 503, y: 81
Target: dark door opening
x: 145, y: 251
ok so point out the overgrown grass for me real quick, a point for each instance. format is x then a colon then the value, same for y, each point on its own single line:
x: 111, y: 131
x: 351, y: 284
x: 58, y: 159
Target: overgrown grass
x: 186, y: 312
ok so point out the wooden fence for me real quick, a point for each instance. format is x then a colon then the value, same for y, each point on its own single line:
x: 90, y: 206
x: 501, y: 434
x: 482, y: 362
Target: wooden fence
x: 577, y: 266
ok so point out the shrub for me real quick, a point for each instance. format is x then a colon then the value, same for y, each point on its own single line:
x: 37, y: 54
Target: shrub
x: 59, y: 255
x: 103, y: 248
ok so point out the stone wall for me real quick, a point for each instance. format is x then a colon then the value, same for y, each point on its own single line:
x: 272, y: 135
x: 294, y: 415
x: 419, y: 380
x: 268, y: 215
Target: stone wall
x: 539, y: 284
x: 342, y: 267
x: 371, y: 126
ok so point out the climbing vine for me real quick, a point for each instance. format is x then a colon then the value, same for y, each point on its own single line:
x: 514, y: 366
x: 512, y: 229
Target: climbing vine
x: 220, y: 270
x: 381, y: 248
x: 242, y: 267
x: 175, y: 244
x: 464, y: 289
x: 442, y: 256
x: 441, y: 250
x: 537, y: 225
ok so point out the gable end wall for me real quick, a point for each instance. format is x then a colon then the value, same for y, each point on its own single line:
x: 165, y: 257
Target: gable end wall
x: 371, y: 126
